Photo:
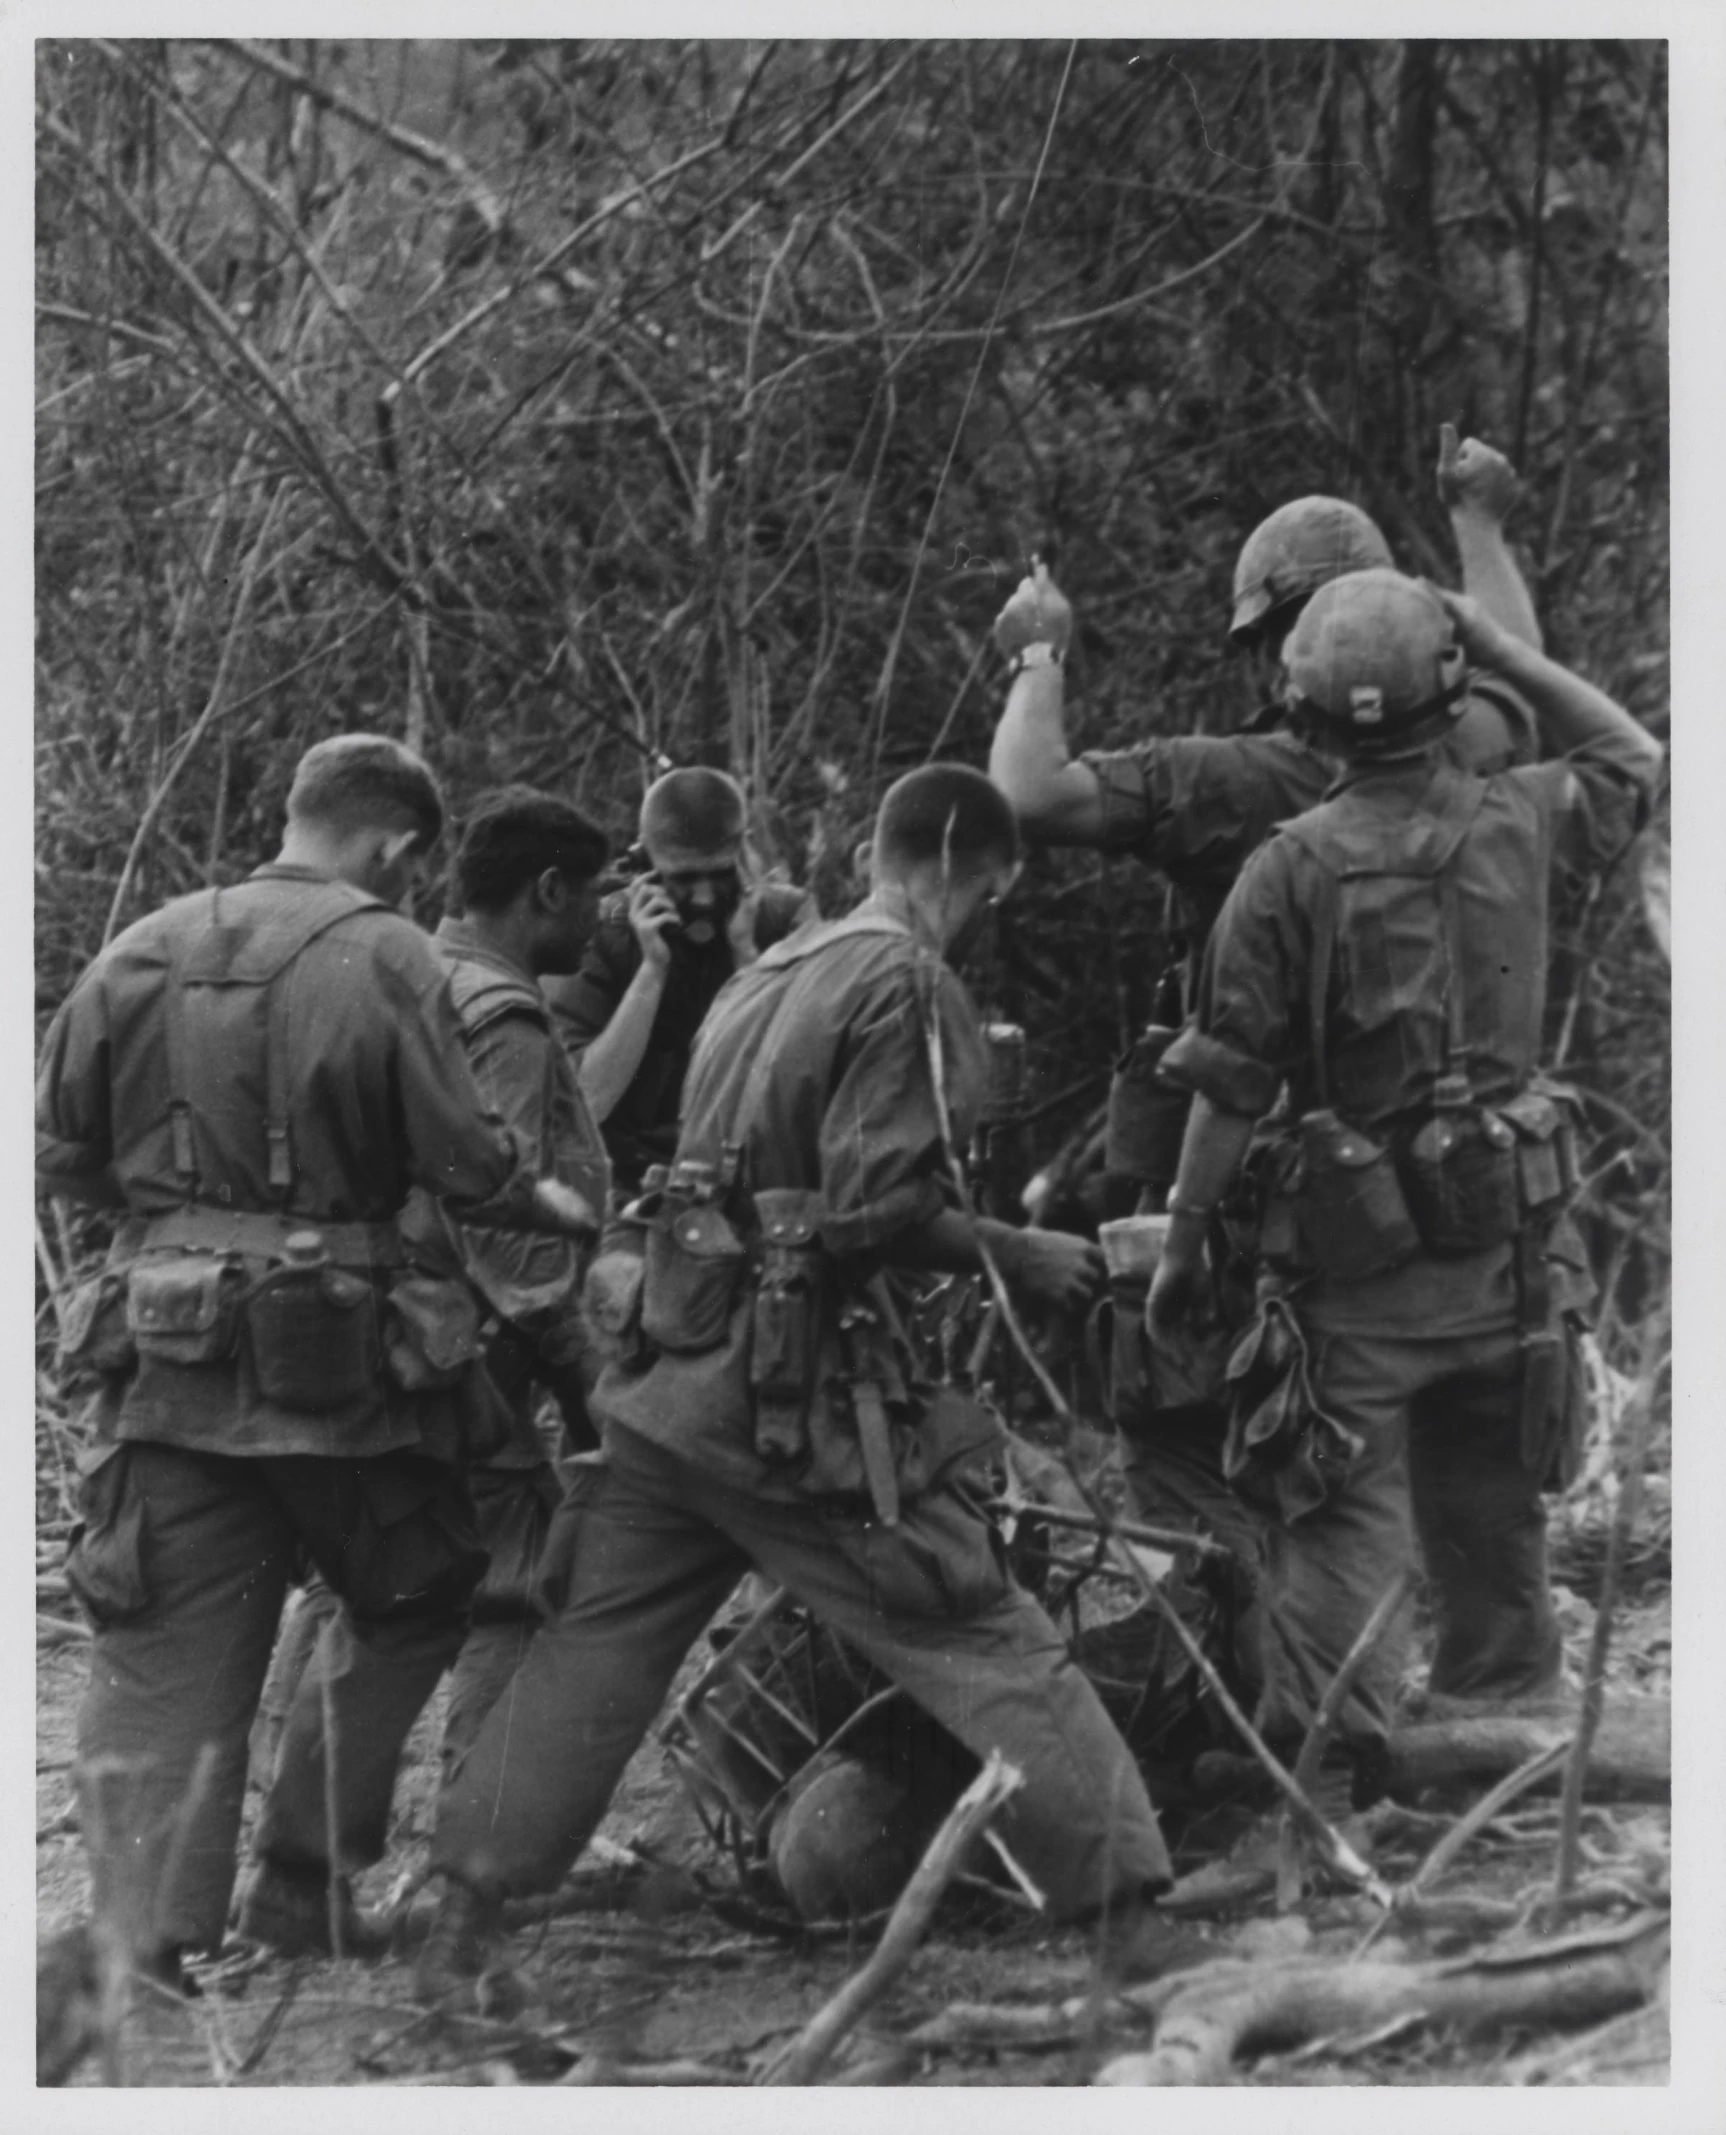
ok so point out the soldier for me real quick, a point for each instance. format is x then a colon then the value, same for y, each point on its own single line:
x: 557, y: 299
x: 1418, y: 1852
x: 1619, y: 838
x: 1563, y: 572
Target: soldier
x: 1195, y: 806
x: 660, y: 954
x: 524, y: 877
x: 1385, y: 955
x: 256, y: 1076
x: 775, y: 1417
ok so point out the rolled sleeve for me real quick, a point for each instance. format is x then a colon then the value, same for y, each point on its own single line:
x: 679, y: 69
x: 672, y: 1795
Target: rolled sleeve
x: 74, y: 1137
x: 1244, y: 1034
x: 1231, y: 1079
x: 1127, y: 822
x: 458, y: 1149
x: 531, y: 1281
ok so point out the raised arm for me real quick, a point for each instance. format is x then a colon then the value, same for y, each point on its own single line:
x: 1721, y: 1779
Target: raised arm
x: 1478, y: 486
x: 1573, y: 715
x: 1056, y: 799
x: 612, y: 1055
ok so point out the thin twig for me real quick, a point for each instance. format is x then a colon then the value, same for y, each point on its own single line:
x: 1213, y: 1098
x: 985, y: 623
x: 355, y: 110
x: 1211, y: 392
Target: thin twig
x: 1324, y: 1723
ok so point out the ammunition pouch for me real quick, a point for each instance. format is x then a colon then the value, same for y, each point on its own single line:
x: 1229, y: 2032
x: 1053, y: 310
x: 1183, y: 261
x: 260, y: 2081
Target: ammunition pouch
x: 694, y: 1268
x: 184, y: 1308
x: 785, y: 1320
x: 313, y: 1335
x: 1547, y: 1169
x: 1352, y: 1216
x: 95, y: 1329
x: 431, y: 1331
x: 1461, y: 1177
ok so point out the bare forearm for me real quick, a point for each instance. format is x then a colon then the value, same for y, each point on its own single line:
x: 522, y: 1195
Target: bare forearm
x: 1572, y: 713
x: 1211, y: 1153
x: 611, y: 1059
x: 951, y: 1244
x: 1054, y: 797
x: 1490, y: 575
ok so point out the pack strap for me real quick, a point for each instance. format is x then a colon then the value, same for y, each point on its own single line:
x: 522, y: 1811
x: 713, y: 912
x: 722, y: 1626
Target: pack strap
x: 174, y: 1020
x: 1456, y: 1045
x: 266, y: 955
x: 1324, y: 922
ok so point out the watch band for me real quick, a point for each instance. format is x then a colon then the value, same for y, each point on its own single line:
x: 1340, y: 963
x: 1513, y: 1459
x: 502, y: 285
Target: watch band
x: 1038, y: 654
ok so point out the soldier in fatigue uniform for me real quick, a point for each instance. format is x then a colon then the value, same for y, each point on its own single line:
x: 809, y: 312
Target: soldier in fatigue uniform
x: 525, y: 884
x: 255, y: 1078
x: 659, y: 955
x: 772, y: 1417
x: 1384, y: 955
x: 1194, y: 807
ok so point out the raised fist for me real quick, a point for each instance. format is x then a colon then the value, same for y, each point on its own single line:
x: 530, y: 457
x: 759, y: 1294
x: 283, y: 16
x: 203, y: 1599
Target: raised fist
x: 1038, y: 613
x: 1474, y: 477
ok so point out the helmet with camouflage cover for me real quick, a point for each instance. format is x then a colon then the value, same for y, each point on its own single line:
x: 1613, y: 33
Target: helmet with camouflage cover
x: 1373, y: 655
x: 1300, y: 547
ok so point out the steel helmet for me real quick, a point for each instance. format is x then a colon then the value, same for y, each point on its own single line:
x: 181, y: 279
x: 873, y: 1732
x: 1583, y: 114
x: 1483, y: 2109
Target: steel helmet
x: 1374, y: 653
x: 1300, y: 547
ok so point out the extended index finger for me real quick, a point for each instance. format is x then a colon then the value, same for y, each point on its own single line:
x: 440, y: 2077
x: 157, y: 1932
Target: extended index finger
x: 1447, y: 449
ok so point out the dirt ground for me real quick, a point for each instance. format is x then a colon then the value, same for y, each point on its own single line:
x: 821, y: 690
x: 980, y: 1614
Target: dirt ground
x: 635, y: 1975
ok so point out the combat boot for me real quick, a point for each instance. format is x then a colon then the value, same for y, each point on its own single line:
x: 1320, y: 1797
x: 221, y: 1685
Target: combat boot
x: 288, y: 1910
x: 459, y: 1944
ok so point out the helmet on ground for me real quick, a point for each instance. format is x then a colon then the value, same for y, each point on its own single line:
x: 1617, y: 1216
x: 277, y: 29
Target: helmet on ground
x: 843, y: 1844
x: 1300, y: 547
x: 1374, y: 654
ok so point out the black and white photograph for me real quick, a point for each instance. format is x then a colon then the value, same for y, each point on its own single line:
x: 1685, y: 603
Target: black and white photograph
x: 854, y: 1247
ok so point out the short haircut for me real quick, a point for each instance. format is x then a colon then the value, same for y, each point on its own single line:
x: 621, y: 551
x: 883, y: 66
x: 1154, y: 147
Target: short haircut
x: 366, y: 782
x: 946, y: 814
x: 697, y: 810
x: 513, y: 835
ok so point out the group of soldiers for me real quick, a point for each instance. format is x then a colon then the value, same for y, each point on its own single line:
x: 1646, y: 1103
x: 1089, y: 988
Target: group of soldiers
x: 671, y: 1169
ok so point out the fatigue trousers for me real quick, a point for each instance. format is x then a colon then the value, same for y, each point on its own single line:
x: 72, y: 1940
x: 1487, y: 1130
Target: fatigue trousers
x: 527, y: 1540
x: 1172, y: 1464
x: 182, y: 1565
x: 1441, y: 1464
x: 659, y: 1547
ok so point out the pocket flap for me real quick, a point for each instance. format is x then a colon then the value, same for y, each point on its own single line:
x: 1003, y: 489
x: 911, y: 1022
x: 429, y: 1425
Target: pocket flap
x: 179, y: 1295
x: 704, y: 1233
x: 788, y: 1215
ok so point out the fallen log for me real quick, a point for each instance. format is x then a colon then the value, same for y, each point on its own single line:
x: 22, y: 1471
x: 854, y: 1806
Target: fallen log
x: 1630, y: 1758
x: 1225, y: 2010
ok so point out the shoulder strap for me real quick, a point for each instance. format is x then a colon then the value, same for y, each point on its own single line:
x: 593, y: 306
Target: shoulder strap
x: 174, y: 1045
x: 1456, y: 1044
x: 261, y: 954
x: 1324, y: 919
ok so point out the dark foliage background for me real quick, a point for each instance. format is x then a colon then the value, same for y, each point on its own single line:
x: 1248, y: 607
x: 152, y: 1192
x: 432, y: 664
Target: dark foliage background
x: 570, y: 408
